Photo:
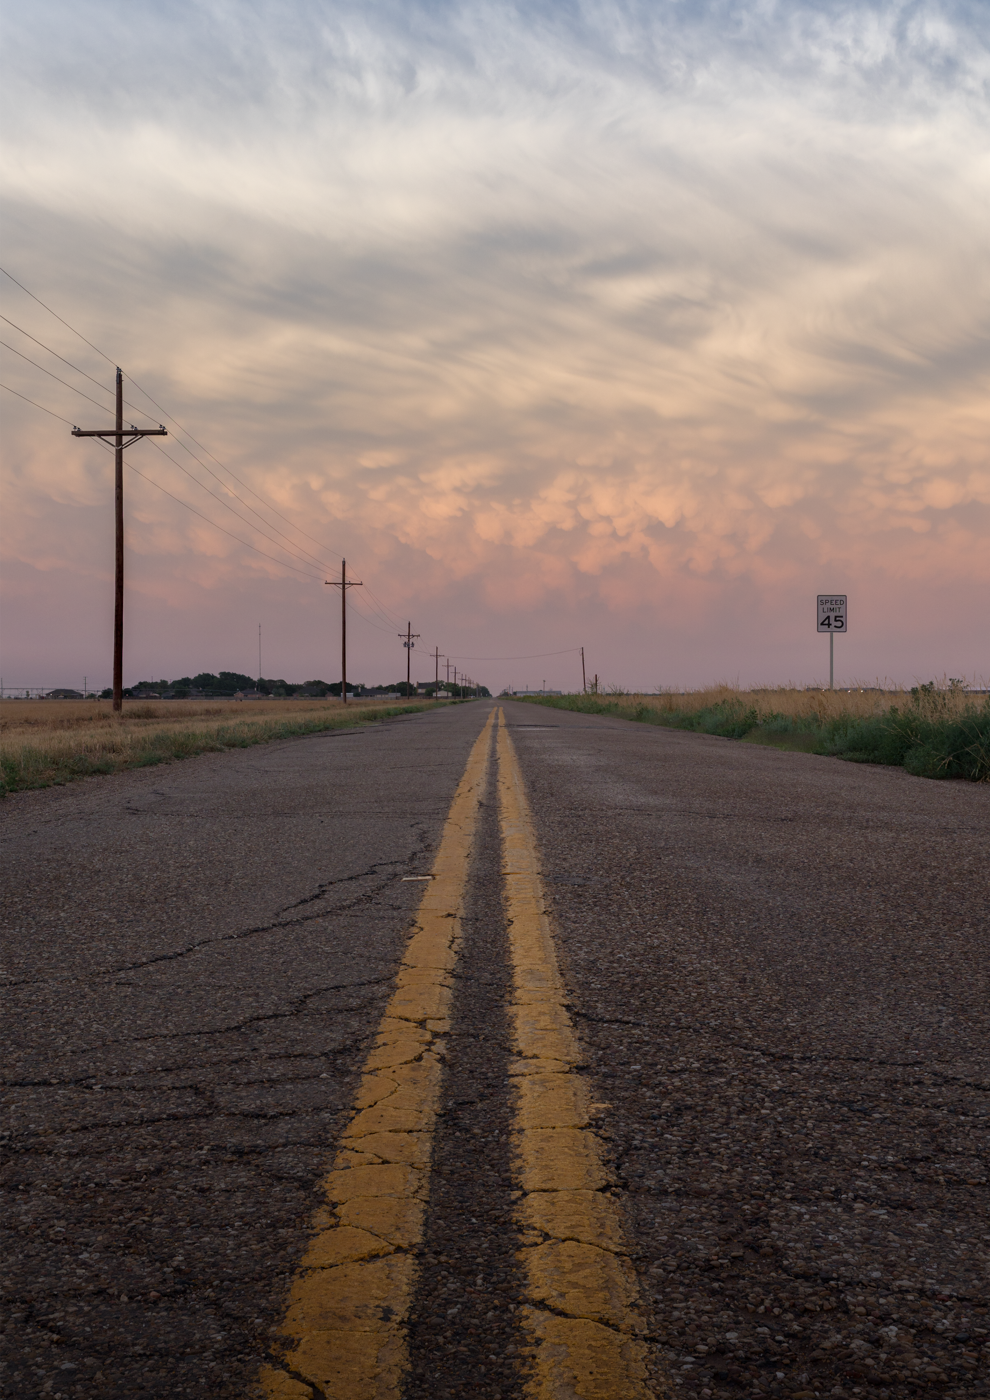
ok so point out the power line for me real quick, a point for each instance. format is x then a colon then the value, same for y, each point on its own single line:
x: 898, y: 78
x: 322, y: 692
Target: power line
x: 230, y: 472
x: 383, y: 609
x: 70, y: 363
x: 533, y: 656
x: 35, y: 405
x: 157, y: 405
x: 179, y: 501
x: 295, y: 551
x: 247, y: 545
x: 57, y: 317
x: 63, y: 359
x: 87, y: 397
x: 368, y: 621
x: 379, y: 609
x: 298, y: 551
x: 192, y: 454
x: 152, y: 482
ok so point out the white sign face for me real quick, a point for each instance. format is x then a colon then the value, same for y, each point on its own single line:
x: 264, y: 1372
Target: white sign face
x: 833, y: 615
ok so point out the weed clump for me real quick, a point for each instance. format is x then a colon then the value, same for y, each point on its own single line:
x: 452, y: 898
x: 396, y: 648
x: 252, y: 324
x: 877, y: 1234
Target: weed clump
x: 925, y: 736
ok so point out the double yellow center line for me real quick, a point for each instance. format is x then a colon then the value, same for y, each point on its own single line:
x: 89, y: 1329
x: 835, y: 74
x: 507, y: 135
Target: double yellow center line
x: 345, y: 1323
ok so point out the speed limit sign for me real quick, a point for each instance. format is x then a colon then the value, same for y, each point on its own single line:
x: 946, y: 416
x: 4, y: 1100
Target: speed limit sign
x: 832, y: 613
x: 832, y: 617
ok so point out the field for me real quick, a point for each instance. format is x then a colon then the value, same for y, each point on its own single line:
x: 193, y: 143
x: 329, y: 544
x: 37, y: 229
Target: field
x: 934, y: 730
x: 53, y: 741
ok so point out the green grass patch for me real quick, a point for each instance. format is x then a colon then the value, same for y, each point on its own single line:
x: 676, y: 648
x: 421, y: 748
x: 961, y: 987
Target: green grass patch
x: 927, y: 735
x: 790, y: 743
x: 31, y: 765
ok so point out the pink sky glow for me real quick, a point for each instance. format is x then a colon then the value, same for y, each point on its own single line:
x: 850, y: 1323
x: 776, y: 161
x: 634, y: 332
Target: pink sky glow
x: 635, y: 331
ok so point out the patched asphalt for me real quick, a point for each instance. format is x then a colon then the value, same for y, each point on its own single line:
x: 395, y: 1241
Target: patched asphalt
x: 777, y: 965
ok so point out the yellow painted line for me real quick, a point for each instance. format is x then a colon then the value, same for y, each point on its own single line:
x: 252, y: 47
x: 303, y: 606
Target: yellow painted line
x: 584, y: 1327
x: 344, y: 1328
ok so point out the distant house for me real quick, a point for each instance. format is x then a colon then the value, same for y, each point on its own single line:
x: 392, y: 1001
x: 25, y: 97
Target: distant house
x: 251, y: 695
x: 63, y: 694
x: 144, y: 694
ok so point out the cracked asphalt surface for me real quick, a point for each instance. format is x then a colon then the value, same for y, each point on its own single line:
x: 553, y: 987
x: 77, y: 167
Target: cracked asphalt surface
x: 196, y: 957
x: 777, y: 965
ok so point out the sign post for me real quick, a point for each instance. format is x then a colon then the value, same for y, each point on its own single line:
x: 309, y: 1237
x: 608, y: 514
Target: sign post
x: 833, y: 616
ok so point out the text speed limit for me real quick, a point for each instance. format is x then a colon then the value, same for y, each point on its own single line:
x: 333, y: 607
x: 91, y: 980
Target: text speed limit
x: 833, y: 615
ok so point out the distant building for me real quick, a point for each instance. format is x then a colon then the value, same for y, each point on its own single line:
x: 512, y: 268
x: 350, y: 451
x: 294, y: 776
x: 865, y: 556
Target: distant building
x: 64, y: 694
x: 251, y: 695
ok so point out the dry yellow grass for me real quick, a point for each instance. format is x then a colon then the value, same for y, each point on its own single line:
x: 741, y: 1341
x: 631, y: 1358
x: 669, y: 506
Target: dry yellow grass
x: 821, y: 705
x: 52, y: 741
x: 934, y: 731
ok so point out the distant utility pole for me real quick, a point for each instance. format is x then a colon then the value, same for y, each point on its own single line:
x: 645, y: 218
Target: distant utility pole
x: 455, y: 677
x: 259, y: 655
x: 584, y: 682
x: 118, y: 434
x: 436, y: 685
x: 343, y: 583
x: 409, y: 635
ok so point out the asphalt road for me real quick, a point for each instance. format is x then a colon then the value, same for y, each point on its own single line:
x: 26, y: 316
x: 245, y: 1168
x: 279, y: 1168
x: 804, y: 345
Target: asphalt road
x: 776, y: 965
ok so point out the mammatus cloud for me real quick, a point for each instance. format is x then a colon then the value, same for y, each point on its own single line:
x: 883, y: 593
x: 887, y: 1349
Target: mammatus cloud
x: 538, y: 310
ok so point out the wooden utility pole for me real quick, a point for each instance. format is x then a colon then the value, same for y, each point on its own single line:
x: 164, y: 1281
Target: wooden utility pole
x: 584, y: 682
x: 343, y: 583
x: 436, y: 685
x: 408, y: 642
x: 118, y: 434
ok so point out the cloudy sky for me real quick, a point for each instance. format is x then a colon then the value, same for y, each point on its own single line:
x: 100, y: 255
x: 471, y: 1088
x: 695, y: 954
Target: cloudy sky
x: 625, y: 325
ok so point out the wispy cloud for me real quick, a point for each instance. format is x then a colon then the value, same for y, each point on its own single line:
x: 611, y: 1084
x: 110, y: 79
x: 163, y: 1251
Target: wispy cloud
x: 546, y: 311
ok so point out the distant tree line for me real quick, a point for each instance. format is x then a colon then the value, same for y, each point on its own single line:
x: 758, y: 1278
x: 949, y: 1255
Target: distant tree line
x: 228, y: 683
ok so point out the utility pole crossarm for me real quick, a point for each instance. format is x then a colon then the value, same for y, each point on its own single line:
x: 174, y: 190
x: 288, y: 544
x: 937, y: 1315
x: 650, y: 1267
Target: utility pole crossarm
x: 131, y: 432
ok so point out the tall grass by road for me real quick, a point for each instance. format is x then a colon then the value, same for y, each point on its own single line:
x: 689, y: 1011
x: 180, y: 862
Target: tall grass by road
x: 43, y: 742
x: 932, y: 731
